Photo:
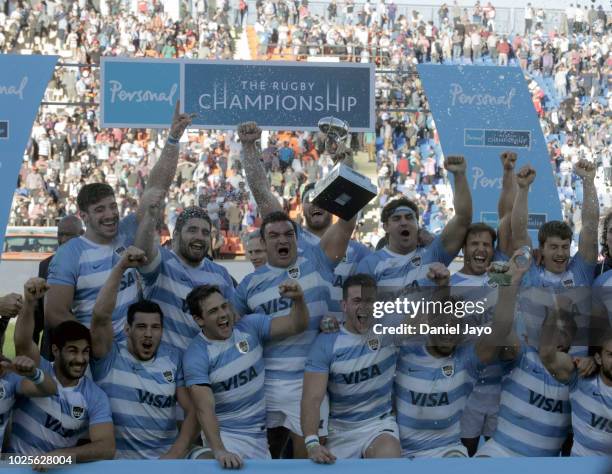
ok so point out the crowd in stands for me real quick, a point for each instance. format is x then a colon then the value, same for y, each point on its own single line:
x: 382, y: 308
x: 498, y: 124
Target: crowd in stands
x: 568, y: 69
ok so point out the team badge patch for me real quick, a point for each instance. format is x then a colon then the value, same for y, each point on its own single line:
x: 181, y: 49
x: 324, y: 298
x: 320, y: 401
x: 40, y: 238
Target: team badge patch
x: 448, y: 370
x: 2, y: 391
x: 373, y: 344
x: 416, y: 261
x: 169, y: 376
x: 569, y: 283
x: 243, y: 346
x: 294, y: 272
x: 77, y: 412
x: 492, y: 284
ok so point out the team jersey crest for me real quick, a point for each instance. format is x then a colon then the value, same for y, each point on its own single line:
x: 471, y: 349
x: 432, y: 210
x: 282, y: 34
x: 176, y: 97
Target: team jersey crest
x: 2, y: 391
x: 448, y: 370
x: 294, y: 272
x: 373, y: 344
x: 569, y: 283
x: 243, y: 346
x: 416, y: 261
x: 169, y: 376
x: 77, y: 412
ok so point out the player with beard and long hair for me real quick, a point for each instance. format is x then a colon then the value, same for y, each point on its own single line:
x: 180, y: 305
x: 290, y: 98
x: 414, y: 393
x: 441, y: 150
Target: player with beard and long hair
x: 171, y: 274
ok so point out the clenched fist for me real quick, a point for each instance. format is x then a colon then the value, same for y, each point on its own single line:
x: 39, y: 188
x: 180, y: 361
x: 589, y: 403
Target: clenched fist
x: 180, y: 122
x: 439, y: 274
x: 508, y: 159
x: 585, y: 169
x: 10, y: 305
x: 34, y: 289
x: 455, y: 164
x: 132, y: 257
x: 291, y: 289
x: 249, y: 133
x: 525, y: 176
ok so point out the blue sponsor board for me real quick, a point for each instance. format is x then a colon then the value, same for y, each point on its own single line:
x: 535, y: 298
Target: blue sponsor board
x: 535, y: 221
x: 497, y: 138
x: 23, y: 82
x: 480, y: 112
x: 138, y: 93
x: 278, y: 95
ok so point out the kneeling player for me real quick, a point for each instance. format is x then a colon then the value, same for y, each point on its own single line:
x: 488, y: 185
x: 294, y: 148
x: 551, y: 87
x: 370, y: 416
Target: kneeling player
x: 224, y: 370
x: 356, y: 369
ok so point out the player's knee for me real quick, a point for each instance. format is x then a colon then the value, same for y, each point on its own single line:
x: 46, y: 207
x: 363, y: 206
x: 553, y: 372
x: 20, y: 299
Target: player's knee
x: 384, y: 446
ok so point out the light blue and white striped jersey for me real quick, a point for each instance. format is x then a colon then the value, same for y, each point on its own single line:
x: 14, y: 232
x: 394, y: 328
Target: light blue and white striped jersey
x: 258, y: 293
x: 591, y: 402
x: 234, y: 370
x: 602, y: 292
x: 43, y: 424
x: 394, y: 271
x: 355, y: 253
x: 361, y: 371
x: 431, y: 393
x: 534, y: 413
x: 142, y: 397
x: 539, y: 286
x: 9, y: 384
x: 86, y: 266
x: 168, y: 281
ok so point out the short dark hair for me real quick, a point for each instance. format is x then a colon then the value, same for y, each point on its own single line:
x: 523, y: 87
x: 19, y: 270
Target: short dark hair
x: 306, y: 189
x: 93, y: 193
x: 605, y: 251
x: 359, y: 279
x: 193, y: 212
x: 144, y: 306
x: 69, y: 331
x: 394, y: 204
x: 276, y: 216
x: 479, y: 227
x: 199, y: 294
x: 554, y: 229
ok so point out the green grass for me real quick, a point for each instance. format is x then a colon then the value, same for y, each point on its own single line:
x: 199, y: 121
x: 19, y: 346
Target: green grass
x: 9, y: 346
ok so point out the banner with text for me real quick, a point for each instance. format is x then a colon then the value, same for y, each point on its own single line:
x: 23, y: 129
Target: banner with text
x: 138, y: 93
x: 479, y: 113
x: 278, y: 95
x: 22, y: 87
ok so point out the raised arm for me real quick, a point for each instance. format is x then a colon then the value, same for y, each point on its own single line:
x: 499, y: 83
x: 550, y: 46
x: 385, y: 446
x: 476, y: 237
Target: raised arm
x: 146, y: 235
x: 35, y: 382
x: 102, y: 318
x: 204, y: 401
x: 505, y: 203
x: 520, y: 211
x: 587, y: 245
x: 489, y: 347
x: 162, y: 174
x: 33, y: 290
x: 454, y: 232
x: 297, y: 319
x: 257, y: 180
x: 559, y: 364
x: 335, y: 240
x: 58, y: 305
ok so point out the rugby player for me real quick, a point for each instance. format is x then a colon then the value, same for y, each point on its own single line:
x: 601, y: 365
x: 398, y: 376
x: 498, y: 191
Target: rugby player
x: 142, y: 377
x: 312, y: 269
x: 255, y: 251
x: 80, y: 267
x: 224, y: 370
x: 76, y: 422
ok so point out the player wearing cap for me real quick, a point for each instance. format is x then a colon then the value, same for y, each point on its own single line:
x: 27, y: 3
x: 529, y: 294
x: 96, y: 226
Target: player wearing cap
x: 143, y: 377
x: 356, y: 369
x: 401, y: 263
x: 56, y: 425
x: 224, y: 370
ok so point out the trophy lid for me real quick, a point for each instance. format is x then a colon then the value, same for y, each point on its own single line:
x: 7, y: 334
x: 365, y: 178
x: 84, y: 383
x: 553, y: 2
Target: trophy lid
x: 334, y: 126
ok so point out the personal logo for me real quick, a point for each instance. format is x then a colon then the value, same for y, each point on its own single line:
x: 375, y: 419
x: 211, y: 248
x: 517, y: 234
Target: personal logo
x: 416, y: 261
x: 569, y: 283
x: 77, y: 412
x: 169, y: 376
x: 294, y: 272
x: 373, y: 344
x: 448, y: 370
x: 243, y: 346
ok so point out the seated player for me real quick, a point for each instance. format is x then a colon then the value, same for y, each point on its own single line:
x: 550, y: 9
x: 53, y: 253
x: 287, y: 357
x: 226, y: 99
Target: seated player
x: 142, y: 376
x: 224, y: 370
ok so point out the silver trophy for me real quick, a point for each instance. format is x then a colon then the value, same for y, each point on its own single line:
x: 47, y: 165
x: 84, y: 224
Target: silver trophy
x: 343, y: 192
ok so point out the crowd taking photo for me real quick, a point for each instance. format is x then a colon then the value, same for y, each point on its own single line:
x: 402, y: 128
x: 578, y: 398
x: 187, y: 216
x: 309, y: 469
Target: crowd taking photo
x: 134, y: 342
